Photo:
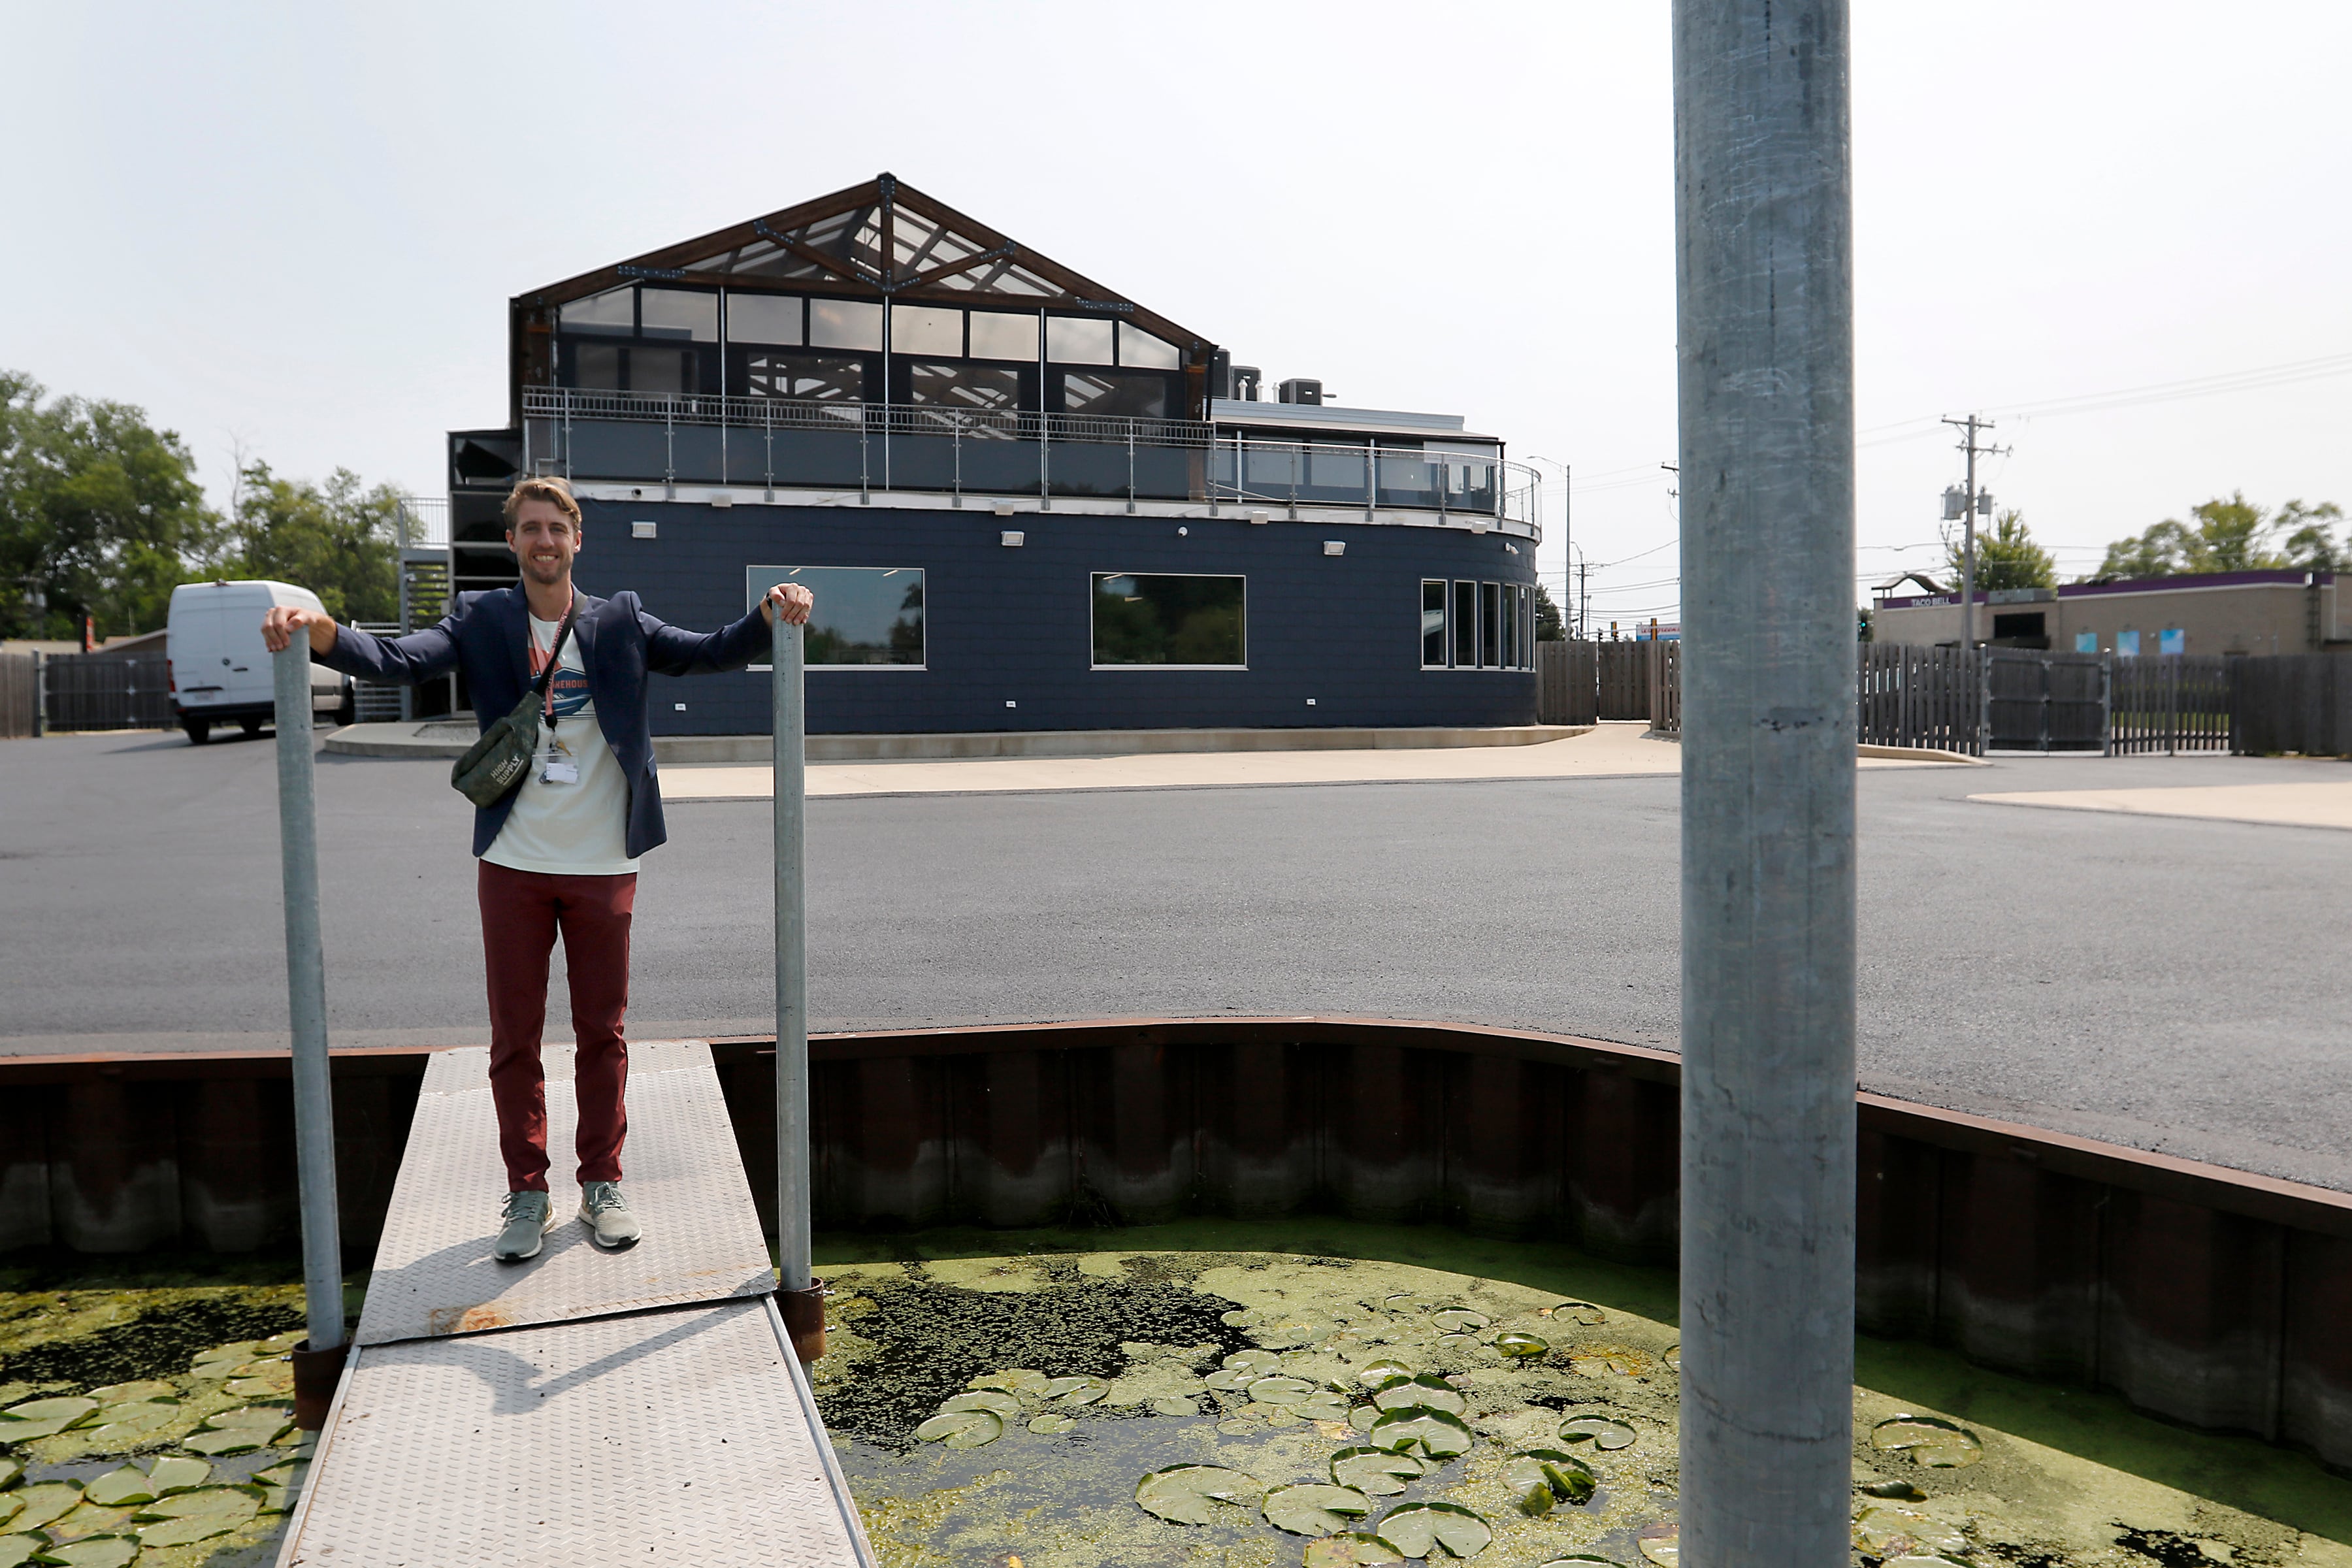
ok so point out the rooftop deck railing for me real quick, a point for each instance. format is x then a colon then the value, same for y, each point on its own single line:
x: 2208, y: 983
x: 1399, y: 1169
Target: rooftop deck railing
x: 799, y: 443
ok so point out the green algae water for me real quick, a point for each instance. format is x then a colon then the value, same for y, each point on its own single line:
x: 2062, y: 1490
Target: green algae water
x: 1246, y: 1409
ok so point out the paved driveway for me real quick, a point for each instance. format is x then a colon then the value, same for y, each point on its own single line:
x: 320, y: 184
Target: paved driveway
x: 2177, y: 985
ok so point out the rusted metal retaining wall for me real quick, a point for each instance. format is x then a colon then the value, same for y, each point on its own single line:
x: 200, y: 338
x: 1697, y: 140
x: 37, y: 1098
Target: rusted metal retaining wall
x: 2206, y: 1296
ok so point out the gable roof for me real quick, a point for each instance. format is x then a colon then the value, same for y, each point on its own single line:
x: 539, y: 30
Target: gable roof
x: 880, y: 239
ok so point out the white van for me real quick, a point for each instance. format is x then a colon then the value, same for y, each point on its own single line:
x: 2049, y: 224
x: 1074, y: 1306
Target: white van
x: 220, y: 671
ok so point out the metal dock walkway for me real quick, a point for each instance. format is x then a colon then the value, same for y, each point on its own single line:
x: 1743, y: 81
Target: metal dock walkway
x: 584, y: 1407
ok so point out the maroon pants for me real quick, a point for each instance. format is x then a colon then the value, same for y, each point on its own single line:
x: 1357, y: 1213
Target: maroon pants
x: 521, y: 913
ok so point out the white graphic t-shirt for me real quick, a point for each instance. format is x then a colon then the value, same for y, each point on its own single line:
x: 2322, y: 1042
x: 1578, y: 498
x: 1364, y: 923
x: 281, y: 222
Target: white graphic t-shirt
x: 570, y: 816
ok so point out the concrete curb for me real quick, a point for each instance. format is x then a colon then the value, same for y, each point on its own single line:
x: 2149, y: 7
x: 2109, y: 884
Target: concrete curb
x: 445, y: 737
x: 1866, y: 749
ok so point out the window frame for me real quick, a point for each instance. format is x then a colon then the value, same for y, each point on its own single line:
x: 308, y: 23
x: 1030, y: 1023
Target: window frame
x: 1094, y: 577
x: 1444, y: 624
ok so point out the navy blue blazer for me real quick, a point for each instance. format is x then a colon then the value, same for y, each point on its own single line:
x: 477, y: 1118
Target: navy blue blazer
x: 486, y: 634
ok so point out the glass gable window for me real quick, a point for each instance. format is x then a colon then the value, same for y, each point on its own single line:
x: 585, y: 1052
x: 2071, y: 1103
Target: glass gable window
x: 1432, y: 624
x: 764, y: 319
x: 845, y: 324
x: 999, y: 334
x: 613, y: 311
x: 1077, y: 339
x: 926, y: 330
x: 1169, y: 621
x: 1144, y: 351
x: 1114, y: 394
x: 677, y: 314
x: 960, y: 383
x: 866, y: 616
x: 820, y: 378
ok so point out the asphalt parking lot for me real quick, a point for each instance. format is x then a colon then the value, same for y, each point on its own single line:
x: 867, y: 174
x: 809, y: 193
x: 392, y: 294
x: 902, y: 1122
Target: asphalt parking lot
x: 2175, y: 984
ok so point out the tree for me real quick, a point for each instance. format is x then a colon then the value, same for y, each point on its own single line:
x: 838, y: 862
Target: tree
x: 2233, y: 536
x: 1549, y: 625
x: 100, y: 514
x: 338, y: 540
x: 2007, y: 556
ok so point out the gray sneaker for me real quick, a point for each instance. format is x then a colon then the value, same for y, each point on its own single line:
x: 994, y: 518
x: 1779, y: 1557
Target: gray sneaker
x: 528, y: 1216
x: 606, y: 1215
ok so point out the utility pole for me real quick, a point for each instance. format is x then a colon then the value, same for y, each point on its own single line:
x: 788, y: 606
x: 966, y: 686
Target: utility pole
x: 1764, y: 265
x: 1973, y: 503
x: 1566, y: 533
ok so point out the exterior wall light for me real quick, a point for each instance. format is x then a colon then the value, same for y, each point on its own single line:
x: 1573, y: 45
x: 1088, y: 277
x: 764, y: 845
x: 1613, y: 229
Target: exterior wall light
x: 1258, y: 515
x: 643, y: 530
x: 722, y: 499
x: 1011, y: 538
x: 1003, y: 508
x: 1182, y: 532
x: 1335, y: 547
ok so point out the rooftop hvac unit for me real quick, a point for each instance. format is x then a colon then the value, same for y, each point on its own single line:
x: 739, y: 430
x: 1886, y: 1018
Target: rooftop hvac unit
x: 1300, y: 390
x: 1246, y: 382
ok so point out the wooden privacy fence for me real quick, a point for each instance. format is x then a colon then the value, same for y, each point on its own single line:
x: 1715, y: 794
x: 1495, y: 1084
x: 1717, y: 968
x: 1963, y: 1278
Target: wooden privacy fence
x: 108, y: 691
x: 1665, y: 712
x: 2290, y: 703
x: 1623, y: 671
x: 1929, y: 697
x: 2178, y: 702
x: 1566, y: 683
x: 1579, y: 682
x: 20, y: 696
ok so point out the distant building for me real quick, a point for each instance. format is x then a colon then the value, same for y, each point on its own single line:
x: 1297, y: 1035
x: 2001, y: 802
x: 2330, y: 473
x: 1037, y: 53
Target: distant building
x: 1024, y: 501
x: 2218, y: 612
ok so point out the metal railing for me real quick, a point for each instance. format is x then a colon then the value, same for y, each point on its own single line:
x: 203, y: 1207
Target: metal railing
x: 693, y: 438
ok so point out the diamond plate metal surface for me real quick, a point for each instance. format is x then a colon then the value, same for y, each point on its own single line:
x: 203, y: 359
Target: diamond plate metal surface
x: 434, y: 1273
x: 674, y: 1437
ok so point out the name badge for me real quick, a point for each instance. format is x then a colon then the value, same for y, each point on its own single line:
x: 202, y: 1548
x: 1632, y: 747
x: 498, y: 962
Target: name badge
x: 559, y: 770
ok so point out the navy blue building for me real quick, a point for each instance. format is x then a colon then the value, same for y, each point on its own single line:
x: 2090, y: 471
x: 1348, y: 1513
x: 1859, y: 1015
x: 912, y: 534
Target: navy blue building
x: 1023, y: 500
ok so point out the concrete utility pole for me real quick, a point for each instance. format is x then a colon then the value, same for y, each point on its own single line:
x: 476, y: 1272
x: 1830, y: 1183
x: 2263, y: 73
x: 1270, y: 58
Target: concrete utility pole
x: 800, y: 1297
x: 1764, y: 240
x: 305, y: 1001
x: 1971, y: 504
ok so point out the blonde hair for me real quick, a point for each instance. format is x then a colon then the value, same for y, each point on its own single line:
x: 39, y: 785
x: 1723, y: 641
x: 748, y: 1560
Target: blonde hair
x: 547, y: 488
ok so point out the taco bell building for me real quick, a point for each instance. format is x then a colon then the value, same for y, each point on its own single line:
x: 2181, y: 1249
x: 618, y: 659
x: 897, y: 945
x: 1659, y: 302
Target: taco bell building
x: 1024, y: 501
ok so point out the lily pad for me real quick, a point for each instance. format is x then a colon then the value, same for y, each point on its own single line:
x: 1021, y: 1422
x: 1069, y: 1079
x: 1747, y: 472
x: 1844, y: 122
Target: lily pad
x: 87, y: 1520
x: 174, y: 1473
x: 1050, y: 1424
x: 222, y: 1442
x: 1460, y: 1321
x: 1579, y: 1557
x: 1263, y: 1363
x: 1293, y: 1333
x: 1354, y: 1549
x: 261, y: 1387
x: 278, y: 1344
x: 1586, y: 1314
x: 1884, y: 1531
x: 1603, y: 1431
x: 1232, y: 1380
x: 117, y: 1488
x: 1377, y: 1472
x: 1314, y: 1508
x: 1541, y: 1478
x: 122, y: 1426
x: 1280, y: 1390
x: 43, y: 1503
x: 1604, y: 1361
x: 146, y: 1389
x: 961, y: 1428
x: 43, y: 1419
x: 1081, y: 1390
x: 98, y: 1551
x: 1901, y: 1491
x: 1429, y: 1391
x: 1003, y: 1404
x: 1380, y: 1374
x: 1662, y: 1543
x: 1434, y: 1434
x: 16, y: 1550
x: 1019, y: 1380
x: 1169, y: 1405
x: 1323, y: 1405
x: 1427, y: 1529
x: 1363, y: 1417
x: 10, y: 1470
x: 1939, y: 1445
x: 1186, y: 1494
x: 1514, y: 1343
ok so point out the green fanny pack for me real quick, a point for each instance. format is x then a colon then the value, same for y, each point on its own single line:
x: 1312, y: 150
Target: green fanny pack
x: 493, y: 767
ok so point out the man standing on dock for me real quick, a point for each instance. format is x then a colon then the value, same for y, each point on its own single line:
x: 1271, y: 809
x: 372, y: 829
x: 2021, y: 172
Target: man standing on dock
x: 559, y: 851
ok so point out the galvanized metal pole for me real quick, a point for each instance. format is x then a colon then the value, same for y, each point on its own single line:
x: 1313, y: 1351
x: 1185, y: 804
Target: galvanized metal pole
x: 801, y: 1301
x: 1763, y: 218
x: 306, y: 1000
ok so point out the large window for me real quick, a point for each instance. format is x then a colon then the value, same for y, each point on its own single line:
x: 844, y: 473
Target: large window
x: 1478, y: 626
x: 818, y: 378
x: 1169, y: 621
x: 868, y: 617
x: 640, y: 339
x: 1114, y: 394
x: 960, y: 383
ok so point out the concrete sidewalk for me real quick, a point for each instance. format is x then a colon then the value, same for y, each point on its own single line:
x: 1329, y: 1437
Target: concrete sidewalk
x: 1610, y: 749
x: 2305, y: 804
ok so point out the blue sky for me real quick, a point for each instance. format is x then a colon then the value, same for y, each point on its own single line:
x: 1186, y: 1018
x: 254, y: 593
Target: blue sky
x: 295, y: 228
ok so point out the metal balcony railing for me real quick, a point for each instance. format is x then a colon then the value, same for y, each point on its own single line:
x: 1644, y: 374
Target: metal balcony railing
x: 797, y: 443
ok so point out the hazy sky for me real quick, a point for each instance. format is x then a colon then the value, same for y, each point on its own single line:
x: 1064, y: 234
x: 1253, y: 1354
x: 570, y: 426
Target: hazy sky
x: 296, y: 227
